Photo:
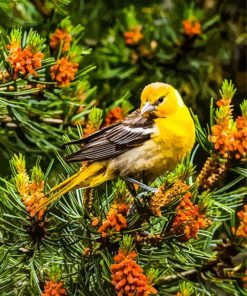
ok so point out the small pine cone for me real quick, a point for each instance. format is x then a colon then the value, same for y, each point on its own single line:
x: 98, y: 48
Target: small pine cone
x: 88, y: 199
x: 242, y: 228
x: 212, y: 171
x: 114, y: 115
x: 115, y: 219
x: 54, y: 289
x: 164, y: 196
x: 158, y: 200
x: 60, y: 38
x: 133, y: 36
x: 41, y: 86
x: 63, y: 71
x: 4, y: 76
x: 188, y: 220
x: 149, y: 239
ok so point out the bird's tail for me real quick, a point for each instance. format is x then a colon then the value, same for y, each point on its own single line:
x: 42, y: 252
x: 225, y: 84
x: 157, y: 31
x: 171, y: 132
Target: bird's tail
x: 91, y: 176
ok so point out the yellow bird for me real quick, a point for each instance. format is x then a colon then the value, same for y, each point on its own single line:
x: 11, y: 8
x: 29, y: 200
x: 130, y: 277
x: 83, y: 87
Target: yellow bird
x: 150, y: 141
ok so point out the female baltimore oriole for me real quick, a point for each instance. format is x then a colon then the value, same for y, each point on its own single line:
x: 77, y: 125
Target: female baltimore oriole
x: 151, y: 140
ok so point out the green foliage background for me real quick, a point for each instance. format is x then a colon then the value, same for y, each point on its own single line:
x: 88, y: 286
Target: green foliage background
x: 195, y: 66
x: 36, y: 122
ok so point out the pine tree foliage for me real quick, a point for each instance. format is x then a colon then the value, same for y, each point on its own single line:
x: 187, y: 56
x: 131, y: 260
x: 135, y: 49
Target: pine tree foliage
x: 68, y: 68
x: 182, y: 239
x: 175, y: 40
x: 37, y: 98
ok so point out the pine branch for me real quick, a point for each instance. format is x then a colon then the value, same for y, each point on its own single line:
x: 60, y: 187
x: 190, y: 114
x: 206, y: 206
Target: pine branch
x: 180, y: 275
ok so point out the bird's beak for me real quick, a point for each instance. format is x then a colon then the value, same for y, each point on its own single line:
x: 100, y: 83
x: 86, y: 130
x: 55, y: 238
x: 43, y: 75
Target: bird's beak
x: 147, y: 108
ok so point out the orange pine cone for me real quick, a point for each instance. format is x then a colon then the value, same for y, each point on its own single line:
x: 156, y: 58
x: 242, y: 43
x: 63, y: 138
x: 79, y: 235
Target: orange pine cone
x: 32, y: 194
x: 188, y: 219
x: 60, y: 38
x: 128, y: 277
x: 164, y: 196
x: 35, y: 198
x: 88, y: 130
x: 115, y: 219
x: 240, y: 136
x: 95, y: 221
x: 223, y: 102
x: 228, y: 141
x: 64, y: 71
x: 191, y: 27
x: 242, y: 228
x: 54, y: 289
x: 24, y: 61
x: 133, y: 36
x: 114, y: 115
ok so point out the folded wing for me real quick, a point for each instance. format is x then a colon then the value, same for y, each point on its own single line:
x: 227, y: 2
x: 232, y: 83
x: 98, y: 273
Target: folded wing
x: 114, y: 140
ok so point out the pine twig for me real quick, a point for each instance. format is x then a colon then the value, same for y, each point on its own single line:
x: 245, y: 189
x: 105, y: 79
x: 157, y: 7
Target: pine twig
x: 179, y: 275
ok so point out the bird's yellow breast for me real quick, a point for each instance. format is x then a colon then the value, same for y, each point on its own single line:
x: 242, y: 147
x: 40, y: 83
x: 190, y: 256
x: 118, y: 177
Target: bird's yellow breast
x: 172, y: 139
x: 176, y: 134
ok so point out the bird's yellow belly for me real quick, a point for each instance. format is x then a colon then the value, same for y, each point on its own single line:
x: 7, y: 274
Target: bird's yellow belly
x: 153, y: 158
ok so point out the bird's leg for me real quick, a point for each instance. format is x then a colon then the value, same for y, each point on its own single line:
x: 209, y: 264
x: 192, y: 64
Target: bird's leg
x: 144, y: 178
x: 131, y: 187
x: 142, y: 185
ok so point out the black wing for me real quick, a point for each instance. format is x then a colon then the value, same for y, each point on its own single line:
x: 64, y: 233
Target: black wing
x: 113, y: 140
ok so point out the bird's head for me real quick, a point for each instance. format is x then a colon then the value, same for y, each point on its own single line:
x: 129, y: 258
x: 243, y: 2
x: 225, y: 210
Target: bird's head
x: 160, y: 100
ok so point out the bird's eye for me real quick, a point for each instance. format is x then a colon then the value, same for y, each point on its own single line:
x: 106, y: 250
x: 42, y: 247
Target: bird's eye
x: 160, y: 100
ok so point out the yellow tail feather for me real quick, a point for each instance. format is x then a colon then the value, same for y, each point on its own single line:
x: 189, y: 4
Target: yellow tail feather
x: 91, y: 176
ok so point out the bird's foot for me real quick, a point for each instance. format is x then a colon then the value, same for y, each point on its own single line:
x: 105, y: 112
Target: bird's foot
x: 142, y: 185
x: 143, y: 194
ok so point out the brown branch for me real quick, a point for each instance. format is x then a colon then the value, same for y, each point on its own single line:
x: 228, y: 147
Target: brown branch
x: 178, y: 275
x: 52, y: 120
x: 11, y: 125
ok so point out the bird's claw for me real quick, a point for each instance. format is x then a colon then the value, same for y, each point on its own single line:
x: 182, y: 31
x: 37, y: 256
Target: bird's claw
x: 142, y: 185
